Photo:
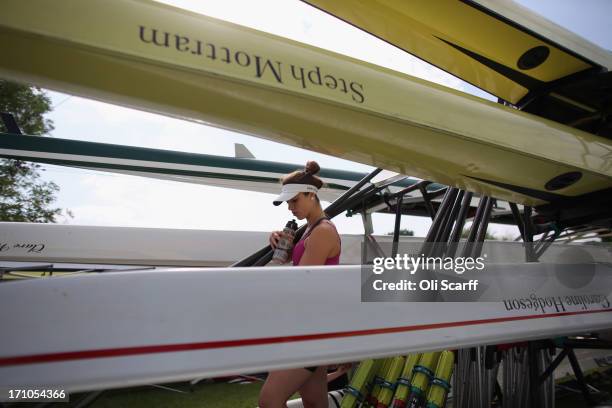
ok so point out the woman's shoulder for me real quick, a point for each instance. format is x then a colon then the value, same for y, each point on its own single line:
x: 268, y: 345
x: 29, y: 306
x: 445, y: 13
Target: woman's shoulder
x: 324, y: 238
x: 326, y: 225
x: 325, y: 229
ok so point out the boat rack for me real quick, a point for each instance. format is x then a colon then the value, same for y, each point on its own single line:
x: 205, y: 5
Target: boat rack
x: 478, y: 370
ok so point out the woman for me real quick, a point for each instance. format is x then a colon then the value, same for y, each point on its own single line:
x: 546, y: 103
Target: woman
x: 320, y: 245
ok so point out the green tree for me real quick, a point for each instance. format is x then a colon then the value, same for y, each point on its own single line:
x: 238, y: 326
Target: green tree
x: 24, y: 196
x: 404, y: 232
x: 488, y: 236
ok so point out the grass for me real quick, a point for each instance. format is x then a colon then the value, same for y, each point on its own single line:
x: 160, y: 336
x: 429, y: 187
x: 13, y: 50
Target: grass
x: 204, y: 395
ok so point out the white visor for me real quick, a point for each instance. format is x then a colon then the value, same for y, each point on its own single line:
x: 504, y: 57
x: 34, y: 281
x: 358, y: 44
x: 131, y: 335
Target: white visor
x: 291, y: 190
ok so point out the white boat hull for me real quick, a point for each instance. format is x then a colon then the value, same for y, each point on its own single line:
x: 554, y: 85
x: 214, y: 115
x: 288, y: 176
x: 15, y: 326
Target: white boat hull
x: 84, y: 244
x: 101, y: 331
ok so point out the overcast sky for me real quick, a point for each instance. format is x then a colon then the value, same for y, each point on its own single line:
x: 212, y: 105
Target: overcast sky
x: 97, y: 198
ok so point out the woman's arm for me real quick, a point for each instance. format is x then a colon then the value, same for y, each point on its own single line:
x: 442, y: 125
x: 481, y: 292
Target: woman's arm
x: 320, y: 245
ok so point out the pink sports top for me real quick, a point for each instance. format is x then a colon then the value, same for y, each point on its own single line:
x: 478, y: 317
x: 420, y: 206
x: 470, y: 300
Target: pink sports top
x: 299, y: 248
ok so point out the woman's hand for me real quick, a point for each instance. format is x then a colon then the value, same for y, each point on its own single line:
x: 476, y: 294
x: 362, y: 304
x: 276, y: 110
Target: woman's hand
x: 274, y: 237
x: 340, y: 370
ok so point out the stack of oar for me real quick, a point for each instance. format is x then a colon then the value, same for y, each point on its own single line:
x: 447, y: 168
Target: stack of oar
x: 475, y: 377
x: 516, y: 386
x: 413, y: 381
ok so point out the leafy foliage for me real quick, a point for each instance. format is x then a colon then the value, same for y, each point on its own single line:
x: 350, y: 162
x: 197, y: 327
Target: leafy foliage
x: 24, y: 196
x: 404, y: 232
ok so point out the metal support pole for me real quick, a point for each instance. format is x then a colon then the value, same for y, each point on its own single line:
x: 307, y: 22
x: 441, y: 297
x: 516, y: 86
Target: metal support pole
x: 465, y: 208
x: 448, y: 209
x: 538, y: 245
x: 433, y: 230
x: 467, y: 251
x: 546, y: 244
x: 528, y: 228
x: 430, y: 245
x: 579, y: 376
x: 398, y: 221
x: 553, y: 366
x: 534, y: 384
x: 480, y: 381
x: 490, y: 374
x: 427, y: 201
x: 548, y: 388
x: 443, y: 245
x: 352, y: 190
x: 414, y: 187
x: 444, y: 237
x: 482, y: 228
x: 477, y: 218
x: 446, y: 218
x: 368, y: 230
x: 518, y: 219
x: 350, y: 202
x: 458, y: 228
x: 359, y: 197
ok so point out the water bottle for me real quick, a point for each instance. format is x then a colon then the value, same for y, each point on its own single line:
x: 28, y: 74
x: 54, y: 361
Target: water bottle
x: 285, y: 244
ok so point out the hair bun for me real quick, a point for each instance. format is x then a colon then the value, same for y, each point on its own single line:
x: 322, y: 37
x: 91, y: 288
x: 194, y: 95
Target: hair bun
x: 312, y: 167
